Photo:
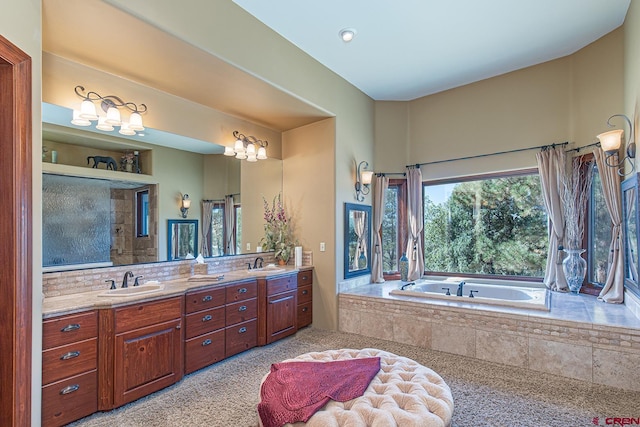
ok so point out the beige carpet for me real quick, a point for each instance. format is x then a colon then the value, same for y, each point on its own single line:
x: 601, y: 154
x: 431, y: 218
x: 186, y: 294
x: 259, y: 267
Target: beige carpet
x: 485, y: 394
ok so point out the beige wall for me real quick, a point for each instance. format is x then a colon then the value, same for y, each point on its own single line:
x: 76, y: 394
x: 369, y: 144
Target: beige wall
x: 568, y: 99
x: 309, y: 188
x: 632, y: 65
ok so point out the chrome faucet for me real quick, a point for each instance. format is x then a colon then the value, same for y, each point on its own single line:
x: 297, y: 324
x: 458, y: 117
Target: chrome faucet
x: 460, y: 286
x: 255, y: 263
x: 126, y: 277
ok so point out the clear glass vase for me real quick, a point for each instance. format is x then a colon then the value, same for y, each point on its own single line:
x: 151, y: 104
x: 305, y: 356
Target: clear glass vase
x: 574, y: 268
x: 404, y: 267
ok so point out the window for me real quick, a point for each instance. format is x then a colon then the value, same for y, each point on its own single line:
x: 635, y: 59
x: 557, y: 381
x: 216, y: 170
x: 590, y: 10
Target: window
x: 142, y: 213
x: 393, y: 227
x: 598, y: 234
x: 238, y: 228
x: 217, y: 230
x: 492, y: 226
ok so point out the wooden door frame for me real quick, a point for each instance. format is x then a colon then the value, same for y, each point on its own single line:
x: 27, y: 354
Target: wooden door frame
x: 15, y: 235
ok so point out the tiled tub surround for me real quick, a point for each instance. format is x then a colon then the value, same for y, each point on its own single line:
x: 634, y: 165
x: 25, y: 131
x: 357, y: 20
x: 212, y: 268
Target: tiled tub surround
x: 75, y: 281
x: 579, y: 337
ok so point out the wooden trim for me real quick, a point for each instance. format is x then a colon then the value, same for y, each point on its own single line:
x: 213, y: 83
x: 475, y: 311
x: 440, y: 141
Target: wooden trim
x: 15, y: 234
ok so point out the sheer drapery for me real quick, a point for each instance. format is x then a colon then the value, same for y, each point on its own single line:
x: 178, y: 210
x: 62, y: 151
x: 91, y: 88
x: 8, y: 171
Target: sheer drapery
x: 207, y: 213
x: 551, y: 166
x: 632, y: 266
x: 229, y: 226
x: 613, y: 290
x: 380, y: 185
x: 414, y: 222
x: 358, y: 227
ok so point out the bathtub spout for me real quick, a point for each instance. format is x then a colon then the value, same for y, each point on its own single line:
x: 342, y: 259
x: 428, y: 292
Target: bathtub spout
x: 406, y: 285
x: 460, y: 287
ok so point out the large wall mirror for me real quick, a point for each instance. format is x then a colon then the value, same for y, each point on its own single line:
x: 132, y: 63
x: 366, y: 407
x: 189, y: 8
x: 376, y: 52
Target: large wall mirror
x: 357, y: 240
x: 84, y: 213
x: 631, y: 230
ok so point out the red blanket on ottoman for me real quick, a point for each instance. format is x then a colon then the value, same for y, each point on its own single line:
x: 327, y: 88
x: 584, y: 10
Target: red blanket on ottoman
x: 294, y: 391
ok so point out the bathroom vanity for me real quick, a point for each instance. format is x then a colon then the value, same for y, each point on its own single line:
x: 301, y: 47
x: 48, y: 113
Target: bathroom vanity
x: 111, y: 351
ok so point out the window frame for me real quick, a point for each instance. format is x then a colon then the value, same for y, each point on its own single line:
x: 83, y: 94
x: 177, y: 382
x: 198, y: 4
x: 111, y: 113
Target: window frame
x: 141, y: 223
x: 401, y: 185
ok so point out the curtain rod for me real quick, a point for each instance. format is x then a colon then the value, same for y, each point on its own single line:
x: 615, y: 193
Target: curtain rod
x: 220, y: 200
x: 490, y: 154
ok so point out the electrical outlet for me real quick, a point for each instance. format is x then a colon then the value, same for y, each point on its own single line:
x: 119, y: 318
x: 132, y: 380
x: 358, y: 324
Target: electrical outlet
x: 248, y: 246
x: 322, y: 247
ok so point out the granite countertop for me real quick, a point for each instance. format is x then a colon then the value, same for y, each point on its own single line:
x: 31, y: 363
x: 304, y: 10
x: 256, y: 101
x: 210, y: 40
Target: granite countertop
x: 83, y: 301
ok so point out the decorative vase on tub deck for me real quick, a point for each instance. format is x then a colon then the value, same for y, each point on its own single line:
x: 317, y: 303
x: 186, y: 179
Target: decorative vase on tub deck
x: 404, y: 267
x: 574, y: 268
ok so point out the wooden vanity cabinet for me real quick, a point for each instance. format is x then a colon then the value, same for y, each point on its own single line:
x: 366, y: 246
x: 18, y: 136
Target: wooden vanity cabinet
x: 204, y: 328
x: 305, y: 298
x: 241, y: 317
x: 278, y: 314
x: 69, y: 368
x: 143, y: 352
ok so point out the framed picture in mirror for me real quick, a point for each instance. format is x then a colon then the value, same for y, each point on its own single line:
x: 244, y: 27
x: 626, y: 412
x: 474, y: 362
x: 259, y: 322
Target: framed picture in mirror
x: 357, y: 240
x: 182, y: 239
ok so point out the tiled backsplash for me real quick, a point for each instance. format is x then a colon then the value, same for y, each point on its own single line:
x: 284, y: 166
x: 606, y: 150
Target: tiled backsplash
x: 75, y: 281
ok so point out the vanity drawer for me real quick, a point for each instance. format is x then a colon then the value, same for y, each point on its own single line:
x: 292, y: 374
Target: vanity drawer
x: 281, y: 284
x: 70, y: 399
x: 305, y: 314
x: 242, y: 291
x: 242, y: 311
x: 204, y: 321
x: 305, y: 294
x: 68, y: 360
x: 64, y: 330
x: 146, y: 314
x: 204, y: 299
x: 305, y: 277
x: 241, y: 337
x: 203, y: 351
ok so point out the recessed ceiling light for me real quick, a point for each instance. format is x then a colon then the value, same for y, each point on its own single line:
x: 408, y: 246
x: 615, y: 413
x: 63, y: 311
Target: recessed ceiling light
x: 347, y: 34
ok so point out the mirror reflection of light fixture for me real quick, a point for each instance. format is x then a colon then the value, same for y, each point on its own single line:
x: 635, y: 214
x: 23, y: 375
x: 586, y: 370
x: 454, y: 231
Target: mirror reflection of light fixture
x: 612, y: 140
x: 111, y: 105
x: 185, y: 204
x: 247, y: 148
x: 363, y: 180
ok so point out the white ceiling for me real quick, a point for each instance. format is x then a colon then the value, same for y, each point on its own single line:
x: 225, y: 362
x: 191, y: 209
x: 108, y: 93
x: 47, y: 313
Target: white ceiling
x: 406, y: 49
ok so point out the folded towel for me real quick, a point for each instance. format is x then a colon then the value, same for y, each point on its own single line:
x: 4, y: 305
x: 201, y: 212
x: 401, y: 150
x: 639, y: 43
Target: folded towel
x: 294, y: 391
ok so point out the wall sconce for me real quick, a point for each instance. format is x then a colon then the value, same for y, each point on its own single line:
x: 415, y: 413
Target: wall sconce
x: 363, y: 180
x: 185, y: 204
x: 247, y: 148
x: 612, y: 140
x: 109, y: 105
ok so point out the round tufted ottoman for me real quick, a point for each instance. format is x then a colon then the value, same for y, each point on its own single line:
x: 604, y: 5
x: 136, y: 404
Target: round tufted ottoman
x: 403, y: 393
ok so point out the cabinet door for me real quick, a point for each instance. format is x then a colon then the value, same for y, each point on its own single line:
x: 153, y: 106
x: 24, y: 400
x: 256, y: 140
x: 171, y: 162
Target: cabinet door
x: 281, y: 315
x: 146, y: 360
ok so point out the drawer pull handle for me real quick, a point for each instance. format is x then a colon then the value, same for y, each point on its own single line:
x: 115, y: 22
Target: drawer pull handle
x: 69, y: 389
x: 304, y: 310
x: 305, y: 292
x: 242, y: 308
x: 242, y: 330
x: 71, y: 327
x: 70, y: 355
x: 305, y: 277
x: 207, y: 318
x: 206, y: 342
x: 242, y: 290
x: 281, y: 299
x: 207, y: 298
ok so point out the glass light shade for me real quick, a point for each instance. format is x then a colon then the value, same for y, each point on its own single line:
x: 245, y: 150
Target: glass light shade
x: 135, y: 122
x: 366, y: 177
x: 113, y: 117
x: 241, y: 156
x: 228, y: 151
x: 186, y: 202
x: 610, y: 141
x: 252, y: 158
x: 88, y: 110
x: 251, y: 150
x: 78, y: 121
x: 239, y: 146
x: 102, y: 125
x: 262, y: 153
x: 125, y: 130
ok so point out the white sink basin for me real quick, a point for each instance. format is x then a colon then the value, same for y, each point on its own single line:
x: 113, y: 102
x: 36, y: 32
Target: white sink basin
x: 132, y: 291
x: 264, y: 270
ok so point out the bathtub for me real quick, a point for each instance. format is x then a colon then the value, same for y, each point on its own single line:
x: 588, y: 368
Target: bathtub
x: 502, y: 295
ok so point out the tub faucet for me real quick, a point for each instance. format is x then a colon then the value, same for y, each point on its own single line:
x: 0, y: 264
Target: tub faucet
x: 460, y: 287
x: 125, y: 278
